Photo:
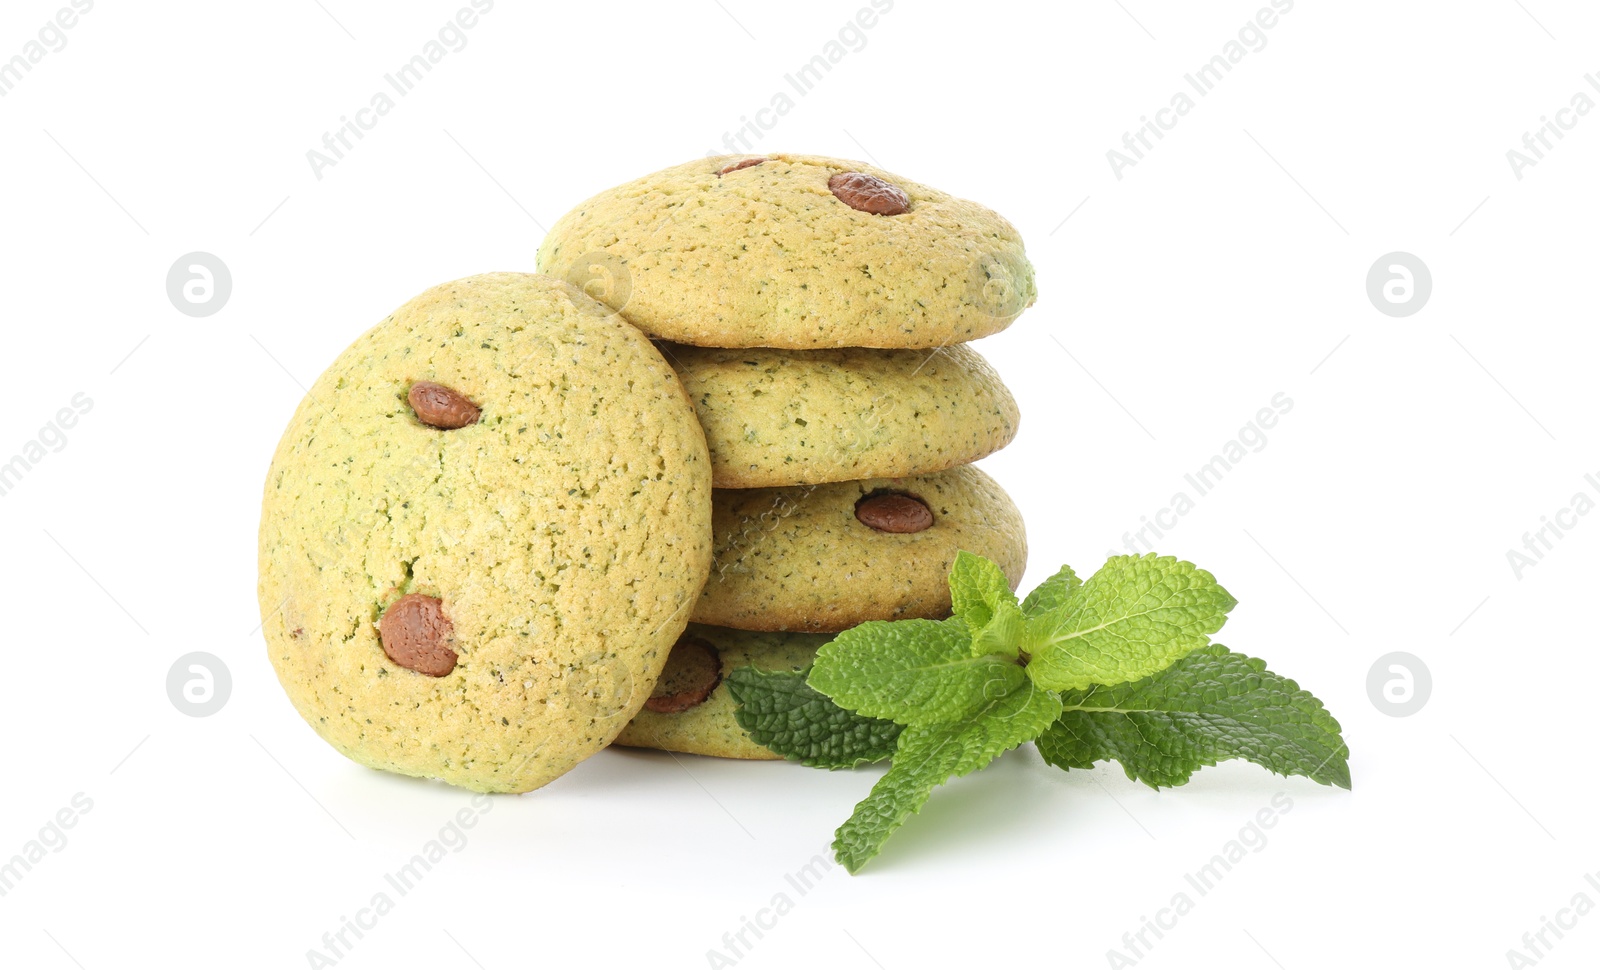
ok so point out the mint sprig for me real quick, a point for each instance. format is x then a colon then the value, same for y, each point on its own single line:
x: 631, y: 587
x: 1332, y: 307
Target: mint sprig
x: 1118, y: 667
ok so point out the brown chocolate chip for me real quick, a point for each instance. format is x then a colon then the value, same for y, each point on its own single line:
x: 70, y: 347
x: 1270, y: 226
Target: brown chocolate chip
x: 417, y: 635
x: 746, y: 163
x: 440, y: 407
x: 894, y: 512
x: 858, y: 190
x: 694, y: 669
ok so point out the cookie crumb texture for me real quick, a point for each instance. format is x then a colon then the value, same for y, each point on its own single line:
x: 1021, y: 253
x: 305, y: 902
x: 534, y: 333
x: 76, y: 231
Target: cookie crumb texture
x: 768, y: 256
x: 793, y: 417
x: 710, y: 728
x: 799, y: 559
x: 564, y: 534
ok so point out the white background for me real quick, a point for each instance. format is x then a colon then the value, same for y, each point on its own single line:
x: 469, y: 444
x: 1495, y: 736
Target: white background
x: 1227, y: 266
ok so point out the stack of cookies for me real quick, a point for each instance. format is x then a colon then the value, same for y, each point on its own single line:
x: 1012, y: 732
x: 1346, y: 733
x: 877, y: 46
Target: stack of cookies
x: 740, y: 397
x: 816, y: 312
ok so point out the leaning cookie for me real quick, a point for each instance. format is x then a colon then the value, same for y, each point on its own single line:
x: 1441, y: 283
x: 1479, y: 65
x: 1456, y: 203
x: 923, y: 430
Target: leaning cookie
x: 807, y: 417
x: 692, y: 711
x: 796, y: 252
x: 481, y: 534
x: 823, y: 558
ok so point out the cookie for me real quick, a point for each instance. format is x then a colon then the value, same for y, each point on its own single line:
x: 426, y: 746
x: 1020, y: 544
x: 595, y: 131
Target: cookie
x: 823, y: 558
x: 482, y: 533
x: 691, y: 709
x: 795, y: 252
x: 807, y: 417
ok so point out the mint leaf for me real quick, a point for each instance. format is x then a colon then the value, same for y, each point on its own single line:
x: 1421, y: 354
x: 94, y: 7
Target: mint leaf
x: 977, y: 587
x: 782, y: 712
x: 981, y: 596
x: 910, y: 671
x: 1002, y: 635
x: 1213, y: 705
x: 928, y: 755
x: 1051, y: 593
x: 1133, y: 617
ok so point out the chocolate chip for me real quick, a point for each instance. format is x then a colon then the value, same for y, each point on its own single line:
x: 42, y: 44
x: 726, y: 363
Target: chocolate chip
x: 746, y: 163
x: 440, y: 407
x: 894, y: 512
x: 417, y: 635
x: 694, y: 669
x: 858, y: 190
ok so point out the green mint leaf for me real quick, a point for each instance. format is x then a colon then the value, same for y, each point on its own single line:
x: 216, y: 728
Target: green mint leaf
x: 1133, y: 617
x: 1213, y: 705
x: 928, y: 755
x: 1051, y: 593
x: 981, y: 596
x: 785, y: 714
x: 911, y: 671
x: 976, y: 586
x: 1002, y: 635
